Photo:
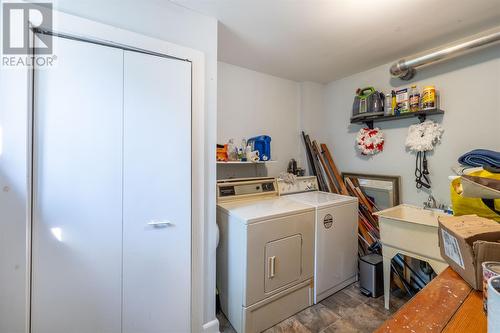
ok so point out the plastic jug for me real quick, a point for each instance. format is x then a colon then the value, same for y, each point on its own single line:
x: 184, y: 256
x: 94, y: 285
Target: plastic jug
x: 263, y: 145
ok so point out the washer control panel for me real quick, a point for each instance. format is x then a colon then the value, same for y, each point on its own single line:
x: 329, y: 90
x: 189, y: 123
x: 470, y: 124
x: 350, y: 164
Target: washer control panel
x: 234, y: 189
x: 301, y: 184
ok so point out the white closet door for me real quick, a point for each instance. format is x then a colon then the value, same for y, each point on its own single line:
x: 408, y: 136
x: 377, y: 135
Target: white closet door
x: 157, y: 189
x: 77, y: 217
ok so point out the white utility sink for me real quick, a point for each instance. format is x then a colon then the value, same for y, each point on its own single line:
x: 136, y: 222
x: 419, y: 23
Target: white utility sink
x: 411, y: 231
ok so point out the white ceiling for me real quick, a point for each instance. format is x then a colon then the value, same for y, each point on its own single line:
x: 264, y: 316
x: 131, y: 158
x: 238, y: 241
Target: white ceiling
x: 323, y: 40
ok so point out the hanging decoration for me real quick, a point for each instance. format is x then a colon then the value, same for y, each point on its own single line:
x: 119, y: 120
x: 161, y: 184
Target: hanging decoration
x: 423, y: 136
x: 370, y: 141
x: 421, y: 139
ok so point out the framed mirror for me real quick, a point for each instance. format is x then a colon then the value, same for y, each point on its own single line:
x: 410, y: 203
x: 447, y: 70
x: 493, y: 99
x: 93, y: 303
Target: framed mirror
x: 383, y: 190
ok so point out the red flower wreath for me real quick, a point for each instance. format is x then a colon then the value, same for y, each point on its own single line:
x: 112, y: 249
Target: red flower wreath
x: 370, y: 141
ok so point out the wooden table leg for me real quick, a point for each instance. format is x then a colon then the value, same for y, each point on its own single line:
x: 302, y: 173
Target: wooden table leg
x: 387, y: 280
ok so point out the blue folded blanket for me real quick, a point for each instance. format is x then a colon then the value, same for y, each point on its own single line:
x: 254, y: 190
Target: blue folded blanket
x: 481, y: 158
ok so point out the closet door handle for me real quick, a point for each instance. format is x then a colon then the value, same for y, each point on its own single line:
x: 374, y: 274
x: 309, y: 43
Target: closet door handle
x: 160, y: 224
x: 272, y: 266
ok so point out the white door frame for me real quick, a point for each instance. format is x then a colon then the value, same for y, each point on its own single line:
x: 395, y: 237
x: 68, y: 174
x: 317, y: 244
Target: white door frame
x: 70, y: 25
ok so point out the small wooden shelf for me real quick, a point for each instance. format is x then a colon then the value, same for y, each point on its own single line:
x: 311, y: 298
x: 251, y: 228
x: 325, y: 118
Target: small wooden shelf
x: 421, y: 115
x: 242, y: 162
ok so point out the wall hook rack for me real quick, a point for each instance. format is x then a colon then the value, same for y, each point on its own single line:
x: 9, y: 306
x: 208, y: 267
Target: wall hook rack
x: 369, y: 124
x: 421, y: 115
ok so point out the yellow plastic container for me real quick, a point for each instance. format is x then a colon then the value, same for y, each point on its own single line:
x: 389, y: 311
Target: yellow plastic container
x: 466, y: 206
x: 429, y: 97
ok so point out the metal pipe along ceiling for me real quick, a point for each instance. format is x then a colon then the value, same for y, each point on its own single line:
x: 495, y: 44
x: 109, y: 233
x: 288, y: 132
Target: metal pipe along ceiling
x: 406, y: 69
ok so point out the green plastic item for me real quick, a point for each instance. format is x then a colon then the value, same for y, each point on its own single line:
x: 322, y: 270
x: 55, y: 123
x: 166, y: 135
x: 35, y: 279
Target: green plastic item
x: 364, y: 93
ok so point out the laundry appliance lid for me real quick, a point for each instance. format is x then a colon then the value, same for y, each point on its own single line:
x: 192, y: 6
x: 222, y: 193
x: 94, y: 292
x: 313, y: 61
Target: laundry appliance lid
x: 321, y: 199
x: 254, y: 210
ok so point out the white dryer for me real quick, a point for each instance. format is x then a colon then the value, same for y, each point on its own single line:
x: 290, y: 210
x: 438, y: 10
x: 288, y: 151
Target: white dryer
x: 265, y: 254
x: 336, y: 234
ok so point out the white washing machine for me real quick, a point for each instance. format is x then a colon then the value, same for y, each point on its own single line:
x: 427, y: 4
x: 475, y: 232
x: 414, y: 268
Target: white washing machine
x: 336, y: 234
x: 265, y: 256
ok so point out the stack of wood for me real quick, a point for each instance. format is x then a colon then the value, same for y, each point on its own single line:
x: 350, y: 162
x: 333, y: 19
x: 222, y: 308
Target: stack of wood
x: 368, y: 229
x: 330, y: 180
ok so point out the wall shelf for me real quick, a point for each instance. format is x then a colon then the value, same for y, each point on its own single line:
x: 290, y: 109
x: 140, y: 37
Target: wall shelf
x: 421, y: 115
x: 242, y: 163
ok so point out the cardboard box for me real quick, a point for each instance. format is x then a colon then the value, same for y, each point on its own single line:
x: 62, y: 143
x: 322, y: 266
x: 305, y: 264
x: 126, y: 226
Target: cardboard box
x: 466, y: 242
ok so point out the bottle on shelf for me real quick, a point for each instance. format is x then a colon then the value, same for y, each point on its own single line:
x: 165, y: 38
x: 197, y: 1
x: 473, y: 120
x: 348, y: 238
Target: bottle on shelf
x: 429, y: 97
x: 232, y: 151
x: 388, y: 105
x: 248, y: 152
x: 393, y: 102
x: 242, y: 150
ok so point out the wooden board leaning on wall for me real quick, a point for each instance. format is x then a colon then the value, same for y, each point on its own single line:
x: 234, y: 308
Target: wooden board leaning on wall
x: 322, y: 165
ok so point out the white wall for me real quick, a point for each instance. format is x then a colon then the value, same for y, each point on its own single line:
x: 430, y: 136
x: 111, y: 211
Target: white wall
x: 470, y: 96
x: 312, y: 109
x: 312, y: 114
x: 252, y: 103
x: 161, y: 19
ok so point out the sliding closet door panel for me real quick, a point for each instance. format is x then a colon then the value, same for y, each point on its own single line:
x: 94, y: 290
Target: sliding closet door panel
x: 157, y: 194
x: 77, y: 218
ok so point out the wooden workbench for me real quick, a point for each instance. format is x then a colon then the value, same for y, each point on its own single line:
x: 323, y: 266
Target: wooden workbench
x: 446, y: 304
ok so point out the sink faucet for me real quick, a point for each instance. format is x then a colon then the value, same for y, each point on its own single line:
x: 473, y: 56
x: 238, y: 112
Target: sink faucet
x: 431, y: 202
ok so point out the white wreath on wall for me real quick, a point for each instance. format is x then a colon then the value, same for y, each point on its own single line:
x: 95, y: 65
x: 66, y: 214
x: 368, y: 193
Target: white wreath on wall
x: 423, y: 137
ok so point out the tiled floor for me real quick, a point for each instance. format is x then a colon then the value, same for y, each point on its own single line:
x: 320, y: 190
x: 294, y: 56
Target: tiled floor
x: 346, y: 311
